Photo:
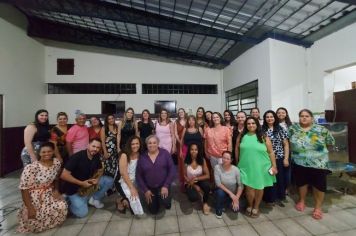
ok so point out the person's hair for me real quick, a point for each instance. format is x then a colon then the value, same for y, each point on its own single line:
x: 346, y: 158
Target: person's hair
x: 106, y: 124
x: 307, y: 111
x: 79, y: 115
x: 125, y: 120
x: 127, y: 150
x: 98, y: 118
x: 200, y: 157
x: 228, y: 152
x: 152, y: 136
x: 259, y: 132
x: 276, y: 127
x: 160, y: 117
x: 209, y: 122
x: 195, y: 120
x: 36, y: 122
x: 196, y: 113
x: 185, y: 114
x: 255, y: 108
x: 221, y: 118
x: 287, y: 119
x: 232, y: 118
x: 95, y: 139
x: 62, y: 113
x: 45, y: 144
x: 149, y: 119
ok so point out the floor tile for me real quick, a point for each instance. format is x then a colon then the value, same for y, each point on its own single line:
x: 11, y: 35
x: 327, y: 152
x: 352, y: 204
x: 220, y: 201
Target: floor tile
x: 168, y: 224
x: 245, y: 229
x: 345, y: 217
x: 193, y: 233
x: 188, y: 223
x: 312, y: 225
x: 118, y: 228
x: 100, y: 215
x: 141, y: 227
x: 267, y: 228
x: 347, y: 233
x: 93, y: 229
x: 231, y: 218
x: 274, y: 213
x: 222, y: 231
x: 69, y: 230
x: 333, y: 223
x: 290, y: 227
x: 210, y: 221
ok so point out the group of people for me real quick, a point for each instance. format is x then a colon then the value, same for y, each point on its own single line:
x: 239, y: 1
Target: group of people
x: 230, y: 156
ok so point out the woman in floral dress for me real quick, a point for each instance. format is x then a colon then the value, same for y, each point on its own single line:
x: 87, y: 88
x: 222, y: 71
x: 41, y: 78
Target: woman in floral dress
x: 43, y: 206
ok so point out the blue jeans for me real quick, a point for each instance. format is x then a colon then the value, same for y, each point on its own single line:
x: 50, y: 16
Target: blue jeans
x: 78, y: 205
x: 221, y: 198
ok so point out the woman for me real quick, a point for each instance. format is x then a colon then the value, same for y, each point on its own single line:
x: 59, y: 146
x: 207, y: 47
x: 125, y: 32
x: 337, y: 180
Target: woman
x: 109, y: 140
x: 58, y: 135
x: 43, y: 206
x: 257, y: 164
x: 200, y: 117
x: 217, y: 140
x: 192, y: 133
x: 283, y: 118
x: 145, y: 127
x: 255, y: 112
x: 127, y: 128
x: 208, y: 119
x: 239, y: 127
x: 228, y: 183
x: 309, y: 151
x: 179, y: 126
x: 127, y: 187
x: 35, y: 134
x: 229, y: 120
x: 196, y: 176
x: 155, y: 173
x: 95, y: 128
x: 165, y: 132
x: 280, y: 146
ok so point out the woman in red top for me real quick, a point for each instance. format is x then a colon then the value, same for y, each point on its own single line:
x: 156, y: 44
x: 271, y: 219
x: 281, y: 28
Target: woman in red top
x: 94, y: 129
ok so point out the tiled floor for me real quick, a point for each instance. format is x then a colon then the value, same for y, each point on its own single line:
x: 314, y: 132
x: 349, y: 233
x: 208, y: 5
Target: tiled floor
x: 186, y: 219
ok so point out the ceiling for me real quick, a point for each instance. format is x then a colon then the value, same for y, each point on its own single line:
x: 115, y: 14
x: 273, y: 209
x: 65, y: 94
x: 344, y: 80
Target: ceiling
x: 209, y: 33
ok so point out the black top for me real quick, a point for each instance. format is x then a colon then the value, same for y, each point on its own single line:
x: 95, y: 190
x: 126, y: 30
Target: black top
x: 146, y: 129
x: 126, y: 132
x: 81, y: 168
x: 195, y: 137
x: 42, y: 134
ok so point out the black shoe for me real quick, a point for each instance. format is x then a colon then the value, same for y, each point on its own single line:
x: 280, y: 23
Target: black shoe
x: 218, y: 214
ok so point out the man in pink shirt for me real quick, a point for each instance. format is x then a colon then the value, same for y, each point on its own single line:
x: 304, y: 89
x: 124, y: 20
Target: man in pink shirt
x: 77, y: 136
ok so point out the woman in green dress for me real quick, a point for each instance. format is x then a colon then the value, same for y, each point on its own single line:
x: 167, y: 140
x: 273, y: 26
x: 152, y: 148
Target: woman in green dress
x: 256, y: 162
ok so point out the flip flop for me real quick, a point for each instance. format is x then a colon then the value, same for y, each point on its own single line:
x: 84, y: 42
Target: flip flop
x: 317, y: 214
x: 300, y: 206
x: 248, y: 211
x: 255, y: 213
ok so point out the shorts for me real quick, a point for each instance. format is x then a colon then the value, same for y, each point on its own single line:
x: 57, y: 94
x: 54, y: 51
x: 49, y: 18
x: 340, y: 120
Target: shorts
x: 310, y: 176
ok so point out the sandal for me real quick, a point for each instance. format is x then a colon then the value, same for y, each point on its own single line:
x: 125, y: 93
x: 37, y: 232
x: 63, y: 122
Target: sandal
x: 255, y: 213
x: 300, y: 206
x: 248, y: 211
x: 317, y: 214
x: 206, y: 209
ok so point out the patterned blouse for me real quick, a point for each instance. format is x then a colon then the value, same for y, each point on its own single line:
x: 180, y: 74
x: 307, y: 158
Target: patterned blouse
x: 277, y: 139
x: 308, y: 148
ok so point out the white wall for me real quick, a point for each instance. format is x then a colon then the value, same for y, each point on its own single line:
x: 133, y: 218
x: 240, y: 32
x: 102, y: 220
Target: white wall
x: 252, y: 65
x: 93, y: 67
x: 21, y: 72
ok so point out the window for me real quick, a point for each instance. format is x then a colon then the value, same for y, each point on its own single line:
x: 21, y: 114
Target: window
x: 242, y: 98
x: 179, y: 89
x: 73, y: 88
x: 65, y: 66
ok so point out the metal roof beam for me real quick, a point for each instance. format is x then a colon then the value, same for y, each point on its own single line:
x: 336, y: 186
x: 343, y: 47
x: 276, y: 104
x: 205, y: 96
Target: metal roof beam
x: 352, y: 2
x: 115, y: 12
x: 65, y: 33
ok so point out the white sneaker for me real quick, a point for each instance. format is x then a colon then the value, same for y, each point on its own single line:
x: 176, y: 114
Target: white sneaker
x: 95, y: 203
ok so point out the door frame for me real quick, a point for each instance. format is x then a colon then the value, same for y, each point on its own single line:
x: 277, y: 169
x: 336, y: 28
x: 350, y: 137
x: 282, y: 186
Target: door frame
x: 1, y: 134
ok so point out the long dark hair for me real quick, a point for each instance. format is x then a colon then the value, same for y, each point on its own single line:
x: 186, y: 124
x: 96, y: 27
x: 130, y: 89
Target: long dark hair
x: 106, y: 125
x: 36, y: 122
x: 232, y: 118
x: 276, y: 127
x: 127, y: 149
x: 287, y: 119
x: 196, y: 113
x: 149, y: 120
x: 209, y: 122
x: 199, y: 159
x: 259, y: 133
x: 98, y: 118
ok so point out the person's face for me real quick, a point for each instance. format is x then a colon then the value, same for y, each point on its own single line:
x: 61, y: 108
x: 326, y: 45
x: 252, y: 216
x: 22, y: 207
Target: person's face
x: 208, y: 116
x: 191, y: 122
x: 200, y: 113
x: 251, y: 125
x: 227, y: 116
x: 94, y: 147
x: 135, y: 145
x: 152, y: 145
x: 255, y: 113
x: 111, y: 120
x: 46, y: 154
x: 181, y: 113
x: 241, y: 118
x: 226, y: 159
x: 145, y: 115
x: 62, y: 120
x: 216, y: 119
x: 305, y: 119
x: 94, y: 121
x: 42, y: 117
x: 129, y: 114
x: 164, y: 115
x: 270, y: 119
x: 281, y: 114
x: 81, y: 120
x: 193, y: 151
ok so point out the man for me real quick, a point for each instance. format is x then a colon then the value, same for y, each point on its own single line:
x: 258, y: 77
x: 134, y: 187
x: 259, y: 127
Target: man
x: 79, y: 172
x: 77, y: 136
